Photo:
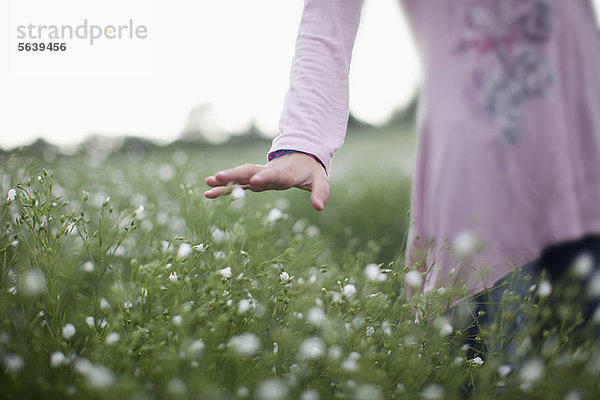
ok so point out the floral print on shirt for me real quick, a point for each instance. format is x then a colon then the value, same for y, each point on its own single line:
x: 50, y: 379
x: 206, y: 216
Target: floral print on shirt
x: 506, y: 43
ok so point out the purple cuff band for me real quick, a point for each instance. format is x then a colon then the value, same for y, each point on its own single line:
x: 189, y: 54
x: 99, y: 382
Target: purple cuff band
x: 278, y: 153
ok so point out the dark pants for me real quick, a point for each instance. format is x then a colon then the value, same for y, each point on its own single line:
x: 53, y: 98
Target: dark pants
x: 493, y: 321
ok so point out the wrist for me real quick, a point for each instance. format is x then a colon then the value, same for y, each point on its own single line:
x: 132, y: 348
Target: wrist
x: 278, y: 153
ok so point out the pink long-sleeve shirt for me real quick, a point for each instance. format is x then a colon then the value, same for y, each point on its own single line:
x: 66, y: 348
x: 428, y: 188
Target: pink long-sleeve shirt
x: 508, y: 141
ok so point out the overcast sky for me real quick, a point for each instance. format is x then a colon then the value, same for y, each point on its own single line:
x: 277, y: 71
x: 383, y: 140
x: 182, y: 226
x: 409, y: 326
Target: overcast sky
x: 235, y: 54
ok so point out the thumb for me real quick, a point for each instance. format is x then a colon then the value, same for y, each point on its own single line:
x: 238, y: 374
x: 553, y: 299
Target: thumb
x: 319, y: 191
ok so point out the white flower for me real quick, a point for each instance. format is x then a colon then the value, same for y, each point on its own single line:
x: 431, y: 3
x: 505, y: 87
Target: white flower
x: 444, y: 326
x: 413, y: 279
x: 433, y: 392
x: 176, y: 320
x: 166, y: 172
x: 218, y: 235
x: 243, y: 392
x: 14, y: 363
x: 504, y: 370
x: 144, y: 296
x: 245, y: 305
x: 57, y: 359
x: 370, y: 330
x: 196, y: 348
x: 544, y: 289
x: 349, y: 290
x: 127, y: 305
x: 312, y: 231
x: 34, y: 282
x: 112, y: 338
x: 97, y: 376
x: 12, y: 194
x: 68, y: 331
x: 282, y: 203
x: 573, y: 395
x: 88, y: 266
x: 386, y: 327
x: 596, y: 316
x: 200, y: 247
x: 593, y: 289
x: 184, y: 250
x: 176, y: 386
x: 367, y: 391
x: 525, y: 346
x: 89, y: 321
x: 465, y: 244
x: 272, y: 389
x: 238, y: 193
x: 335, y: 352
x: 373, y: 273
x: 476, y: 362
x: 351, y: 364
x: 226, y: 272
x: 139, y: 212
x: 532, y: 288
x: 336, y: 296
x: 220, y: 255
x: 446, y: 330
x: 315, y: 316
x: 284, y: 276
x: 173, y: 277
x: 299, y: 226
x: 274, y: 215
x: 532, y: 372
x: 246, y: 344
x: 310, y: 394
x: 583, y: 265
x: 312, y: 348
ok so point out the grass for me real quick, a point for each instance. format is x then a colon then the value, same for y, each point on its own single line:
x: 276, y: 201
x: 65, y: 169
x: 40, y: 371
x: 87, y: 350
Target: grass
x: 119, y: 280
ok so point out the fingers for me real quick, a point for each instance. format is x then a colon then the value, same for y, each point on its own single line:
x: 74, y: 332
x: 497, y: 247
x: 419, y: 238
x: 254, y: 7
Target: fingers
x: 319, y: 192
x: 239, y: 175
x: 221, y: 191
x: 212, y: 181
x: 216, y: 192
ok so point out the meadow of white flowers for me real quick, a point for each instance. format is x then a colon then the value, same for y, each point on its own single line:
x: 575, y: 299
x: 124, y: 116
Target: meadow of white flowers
x: 119, y: 280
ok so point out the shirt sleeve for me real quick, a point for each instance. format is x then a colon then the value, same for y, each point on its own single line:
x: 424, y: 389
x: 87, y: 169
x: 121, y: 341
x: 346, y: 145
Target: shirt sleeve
x: 315, y: 112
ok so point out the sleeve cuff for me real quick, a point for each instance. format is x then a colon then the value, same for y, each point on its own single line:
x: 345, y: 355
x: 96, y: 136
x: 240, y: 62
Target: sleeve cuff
x: 278, y: 153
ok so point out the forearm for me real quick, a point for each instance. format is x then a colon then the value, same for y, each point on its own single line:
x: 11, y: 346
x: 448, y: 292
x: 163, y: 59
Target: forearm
x: 315, y: 113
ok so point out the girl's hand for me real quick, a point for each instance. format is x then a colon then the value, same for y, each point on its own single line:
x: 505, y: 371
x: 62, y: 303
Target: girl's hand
x: 287, y: 171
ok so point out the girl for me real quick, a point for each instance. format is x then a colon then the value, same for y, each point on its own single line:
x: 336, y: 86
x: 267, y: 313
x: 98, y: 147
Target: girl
x: 508, y: 150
